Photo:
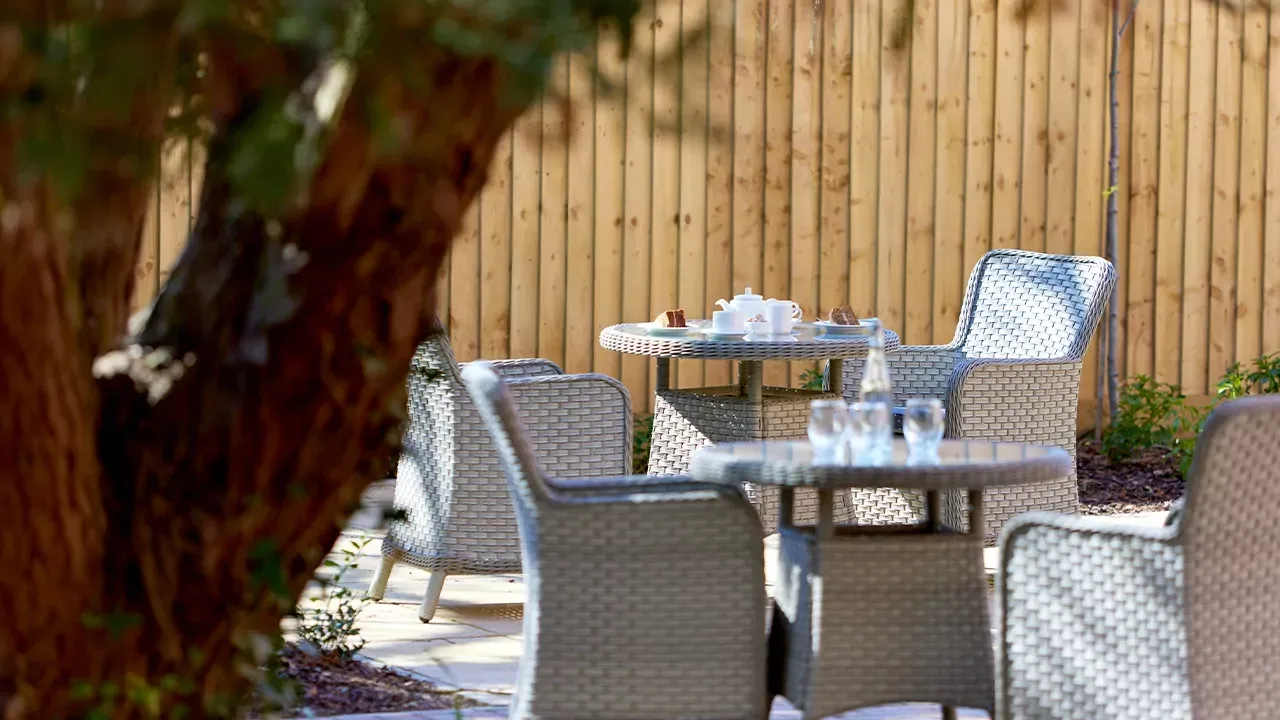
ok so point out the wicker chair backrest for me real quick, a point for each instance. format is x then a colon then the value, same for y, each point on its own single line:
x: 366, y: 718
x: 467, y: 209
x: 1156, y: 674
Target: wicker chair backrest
x: 524, y: 475
x: 1231, y: 541
x: 1022, y: 304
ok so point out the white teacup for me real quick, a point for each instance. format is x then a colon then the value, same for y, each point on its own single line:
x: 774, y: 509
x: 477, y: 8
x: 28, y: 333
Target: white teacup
x: 782, y: 316
x: 728, y: 321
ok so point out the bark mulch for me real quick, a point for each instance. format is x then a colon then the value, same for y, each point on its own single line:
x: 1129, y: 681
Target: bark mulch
x: 329, y: 686
x: 1148, y: 481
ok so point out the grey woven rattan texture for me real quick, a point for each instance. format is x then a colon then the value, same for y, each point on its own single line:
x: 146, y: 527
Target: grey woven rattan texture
x: 686, y: 420
x: 879, y: 619
x: 644, y: 596
x: 450, y: 483
x: 807, y: 344
x: 1013, y: 370
x: 1162, y: 624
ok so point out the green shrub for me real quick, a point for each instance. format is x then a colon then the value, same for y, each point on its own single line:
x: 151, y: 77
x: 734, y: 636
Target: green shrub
x: 811, y: 379
x: 1156, y: 415
x: 1152, y: 414
x: 330, y: 624
x: 641, y: 435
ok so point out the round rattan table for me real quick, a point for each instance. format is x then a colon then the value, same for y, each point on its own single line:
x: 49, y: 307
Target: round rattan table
x: 808, y: 342
x: 690, y: 418
x: 875, y: 614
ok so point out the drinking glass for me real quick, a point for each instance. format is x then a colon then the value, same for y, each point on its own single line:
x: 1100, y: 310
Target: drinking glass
x: 828, y: 426
x: 922, y: 426
x: 871, y: 432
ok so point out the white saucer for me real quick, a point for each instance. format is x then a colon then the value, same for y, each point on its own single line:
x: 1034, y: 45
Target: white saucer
x: 712, y: 332
x: 831, y: 328
x: 662, y: 331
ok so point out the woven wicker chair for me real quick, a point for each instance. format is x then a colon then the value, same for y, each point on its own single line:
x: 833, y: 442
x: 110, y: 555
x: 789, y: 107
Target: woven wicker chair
x: 1172, y: 623
x: 1011, y: 373
x: 644, y: 595
x: 450, y: 481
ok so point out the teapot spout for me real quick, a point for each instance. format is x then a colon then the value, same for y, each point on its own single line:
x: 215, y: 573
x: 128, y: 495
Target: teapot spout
x: 724, y: 304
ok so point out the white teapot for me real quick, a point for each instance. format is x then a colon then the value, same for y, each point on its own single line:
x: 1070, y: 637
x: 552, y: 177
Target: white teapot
x: 750, y: 305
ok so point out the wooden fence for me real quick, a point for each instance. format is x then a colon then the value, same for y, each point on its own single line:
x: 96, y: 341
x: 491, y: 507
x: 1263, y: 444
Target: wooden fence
x: 858, y: 173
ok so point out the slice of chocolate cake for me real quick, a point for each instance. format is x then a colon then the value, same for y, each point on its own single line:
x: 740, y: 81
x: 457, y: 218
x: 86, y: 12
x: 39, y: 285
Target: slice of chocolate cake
x: 671, y: 318
x: 843, y: 316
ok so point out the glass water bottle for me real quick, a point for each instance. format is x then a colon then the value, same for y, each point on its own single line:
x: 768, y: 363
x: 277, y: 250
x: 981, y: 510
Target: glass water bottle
x: 876, y: 387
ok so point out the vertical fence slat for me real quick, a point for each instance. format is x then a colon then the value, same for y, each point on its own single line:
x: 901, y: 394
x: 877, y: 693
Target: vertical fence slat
x: 777, y: 165
x: 895, y: 89
x: 1253, y: 158
x: 1143, y: 180
x: 1006, y: 192
x: 1171, y: 194
x: 464, y: 288
x: 949, y: 201
x: 495, y: 254
x: 526, y: 194
x: 665, y: 251
x: 1091, y: 180
x: 720, y: 176
x: 1198, y: 206
x: 1064, y: 82
x: 837, y: 76
x: 1271, y: 240
x: 981, y: 128
x: 806, y: 161
x: 552, y: 208
x: 579, y: 338
x: 1226, y: 201
x: 864, y: 187
x: 610, y: 174
x: 638, y: 203
x: 693, y: 183
x: 922, y: 165
x: 1035, y: 134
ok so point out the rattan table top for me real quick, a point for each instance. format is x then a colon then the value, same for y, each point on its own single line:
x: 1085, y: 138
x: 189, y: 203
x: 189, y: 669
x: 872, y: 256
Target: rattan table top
x: 962, y: 464
x: 807, y: 343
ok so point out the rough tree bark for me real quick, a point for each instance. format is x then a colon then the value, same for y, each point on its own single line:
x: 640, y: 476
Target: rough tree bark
x: 163, y: 506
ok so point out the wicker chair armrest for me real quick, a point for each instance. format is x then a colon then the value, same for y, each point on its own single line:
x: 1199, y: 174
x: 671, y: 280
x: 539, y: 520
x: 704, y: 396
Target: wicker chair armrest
x: 1091, y: 621
x: 523, y: 367
x: 579, y: 425
x: 1025, y: 400
x: 626, y: 485
x: 916, y: 370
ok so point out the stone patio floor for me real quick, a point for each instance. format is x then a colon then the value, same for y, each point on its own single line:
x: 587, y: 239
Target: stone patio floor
x: 474, y: 643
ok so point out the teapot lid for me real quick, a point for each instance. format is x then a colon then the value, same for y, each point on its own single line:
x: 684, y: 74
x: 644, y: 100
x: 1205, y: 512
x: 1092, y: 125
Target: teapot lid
x: 748, y: 295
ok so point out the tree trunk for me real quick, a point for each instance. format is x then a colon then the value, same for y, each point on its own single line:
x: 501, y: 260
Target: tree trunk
x: 164, y: 512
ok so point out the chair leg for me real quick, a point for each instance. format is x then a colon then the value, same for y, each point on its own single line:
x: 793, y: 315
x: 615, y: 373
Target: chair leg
x: 948, y: 713
x: 435, y: 583
x: 378, y: 587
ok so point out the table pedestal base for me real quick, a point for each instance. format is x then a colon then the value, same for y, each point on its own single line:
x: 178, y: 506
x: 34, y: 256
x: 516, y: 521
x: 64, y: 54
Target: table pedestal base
x: 873, y: 616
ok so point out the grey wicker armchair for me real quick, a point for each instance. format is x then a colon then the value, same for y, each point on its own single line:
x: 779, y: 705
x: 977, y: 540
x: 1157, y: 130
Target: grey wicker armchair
x: 450, y: 483
x: 1012, y: 372
x: 644, y: 596
x: 1171, y: 623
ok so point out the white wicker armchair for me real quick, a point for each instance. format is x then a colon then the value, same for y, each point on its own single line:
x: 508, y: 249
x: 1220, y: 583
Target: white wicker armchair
x: 450, y: 483
x: 1012, y: 372
x: 644, y: 596
x: 1174, y: 623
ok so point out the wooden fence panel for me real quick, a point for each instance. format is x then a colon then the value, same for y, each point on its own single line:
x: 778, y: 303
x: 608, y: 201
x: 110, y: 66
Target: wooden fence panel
x: 804, y: 152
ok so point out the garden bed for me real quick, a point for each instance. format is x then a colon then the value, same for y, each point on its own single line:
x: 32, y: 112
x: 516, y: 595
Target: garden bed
x: 333, y: 686
x: 1147, y: 481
